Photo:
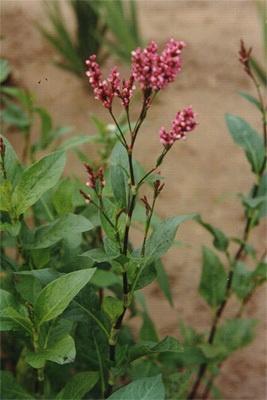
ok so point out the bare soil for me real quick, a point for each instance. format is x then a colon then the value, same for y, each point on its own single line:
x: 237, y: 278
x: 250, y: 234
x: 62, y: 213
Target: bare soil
x: 202, y: 174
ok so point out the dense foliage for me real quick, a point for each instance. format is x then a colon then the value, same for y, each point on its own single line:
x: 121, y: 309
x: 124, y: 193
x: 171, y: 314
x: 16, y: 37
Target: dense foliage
x: 71, y: 278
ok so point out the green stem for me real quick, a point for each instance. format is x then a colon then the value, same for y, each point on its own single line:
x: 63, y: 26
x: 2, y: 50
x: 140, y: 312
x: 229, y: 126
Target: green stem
x: 148, y: 222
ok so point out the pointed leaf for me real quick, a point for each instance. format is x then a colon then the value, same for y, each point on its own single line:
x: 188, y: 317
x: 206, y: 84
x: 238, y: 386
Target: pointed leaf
x: 36, y: 180
x: 57, y: 295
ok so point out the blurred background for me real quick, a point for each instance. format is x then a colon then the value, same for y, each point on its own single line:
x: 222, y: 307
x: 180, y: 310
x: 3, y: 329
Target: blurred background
x: 45, y: 46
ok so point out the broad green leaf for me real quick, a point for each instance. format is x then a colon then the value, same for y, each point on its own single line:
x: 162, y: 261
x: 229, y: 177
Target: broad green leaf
x: 254, y: 202
x: 12, y: 165
x: 48, y: 235
x: 103, y: 278
x: 220, y: 241
x: 60, y: 352
x: 7, y: 300
x: 119, y: 179
x: 5, y: 196
x: 141, y: 389
x: 242, y: 280
x: 167, y: 345
x: 45, y: 275
x: 259, y: 275
x: 246, y: 137
x: 113, y: 307
x: 78, y: 386
x: 14, y: 115
x: 10, y: 389
x: 214, y: 352
x: 163, y: 236
x: 63, y: 197
x: 148, y: 330
x: 235, y: 333
x: 28, y: 287
x: 11, y: 229
x: 163, y: 281
x: 57, y: 295
x: 213, y: 279
x: 4, y: 69
x: 36, y: 180
x: 18, y: 320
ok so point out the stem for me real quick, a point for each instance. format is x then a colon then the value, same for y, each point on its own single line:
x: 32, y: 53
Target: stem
x: 122, y: 139
x: 148, y: 226
x: 238, y: 255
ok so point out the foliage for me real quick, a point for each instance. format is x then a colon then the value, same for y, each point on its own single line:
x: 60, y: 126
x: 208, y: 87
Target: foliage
x: 71, y: 277
x: 102, y: 28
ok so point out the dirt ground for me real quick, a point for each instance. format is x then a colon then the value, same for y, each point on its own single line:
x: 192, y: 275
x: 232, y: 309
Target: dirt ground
x: 202, y: 174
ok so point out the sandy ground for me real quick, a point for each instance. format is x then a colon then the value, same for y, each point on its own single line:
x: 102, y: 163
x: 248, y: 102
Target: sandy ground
x: 202, y: 174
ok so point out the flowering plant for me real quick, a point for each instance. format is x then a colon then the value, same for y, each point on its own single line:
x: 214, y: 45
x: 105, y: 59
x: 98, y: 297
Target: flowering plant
x: 72, y: 276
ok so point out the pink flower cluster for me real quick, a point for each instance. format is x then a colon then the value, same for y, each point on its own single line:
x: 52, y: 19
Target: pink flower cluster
x: 106, y: 89
x: 184, y: 122
x: 153, y: 70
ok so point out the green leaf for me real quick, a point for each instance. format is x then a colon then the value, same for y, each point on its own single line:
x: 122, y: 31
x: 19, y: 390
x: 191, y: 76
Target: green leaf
x: 220, y: 241
x: 11, y: 229
x: 141, y: 389
x: 167, y: 345
x: 60, y: 352
x: 78, y: 386
x: 148, y: 331
x: 11, y: 390
x: 251, y: 99
x: 113, y: 307
x: 242, y: 281
x: 213, y: 279
x: 14, y: 115
x: 235, y: 333
x: 262, y: 191
x: 12, y: 165
x: 48, y: 235
x: 57, y: 295
x: 36, y: 180
x: 118, y: 180
x: 103, y: 278
x: 247, y: 138
x: 17, y: 319
x: 163, y: 281
x: 63, y: 197
x: 163, y: 236
x: 6, y: 300
x: 260, y: 274
x: 4, y: 69
x: 5, y: 196
x: 28, y: 287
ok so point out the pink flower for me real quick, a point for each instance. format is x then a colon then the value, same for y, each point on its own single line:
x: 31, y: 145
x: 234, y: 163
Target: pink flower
x: 183, y: 123
x: 126, y: 91
x: 154, y: 71
x: 105, y: 90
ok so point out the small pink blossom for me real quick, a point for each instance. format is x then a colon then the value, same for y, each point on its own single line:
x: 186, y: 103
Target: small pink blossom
x: 106, y: 90
x: 184, y: 122
x: 126, y: 91
x: 153, y: 70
